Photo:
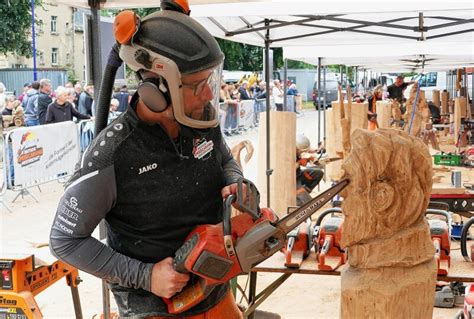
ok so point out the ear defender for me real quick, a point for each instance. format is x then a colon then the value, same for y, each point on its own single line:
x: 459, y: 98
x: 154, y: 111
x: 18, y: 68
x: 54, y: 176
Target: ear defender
x: 126, y: 24
x: 154, y: 94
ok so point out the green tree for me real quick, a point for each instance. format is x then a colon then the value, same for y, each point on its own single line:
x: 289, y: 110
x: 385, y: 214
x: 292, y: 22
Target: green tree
x: 15, y: 27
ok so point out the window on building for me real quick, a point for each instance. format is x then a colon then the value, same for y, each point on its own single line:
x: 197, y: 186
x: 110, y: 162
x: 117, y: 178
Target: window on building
x: 40, y: 26
x: 54, y: 56
x: 78, y: 20
x: 54, y: 27
x: 40, y: 57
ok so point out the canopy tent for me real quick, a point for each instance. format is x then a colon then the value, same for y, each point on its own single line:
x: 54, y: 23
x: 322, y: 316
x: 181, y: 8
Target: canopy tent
x: 409, y: 57
x: 124, y: 4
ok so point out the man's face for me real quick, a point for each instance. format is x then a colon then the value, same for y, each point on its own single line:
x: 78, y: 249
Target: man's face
x: 47, y: 88
x: 196, y: 93
x: 398, y: 81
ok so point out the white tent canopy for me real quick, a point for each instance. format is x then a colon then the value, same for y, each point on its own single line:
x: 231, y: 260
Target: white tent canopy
x: 438, y: 34
x: 390, y: 57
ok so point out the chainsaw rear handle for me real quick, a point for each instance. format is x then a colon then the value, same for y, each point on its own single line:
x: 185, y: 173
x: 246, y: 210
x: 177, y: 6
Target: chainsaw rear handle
x: 464, y: 232
x: 439, y: 212
x: 325, y: 213
x: 226, y: 214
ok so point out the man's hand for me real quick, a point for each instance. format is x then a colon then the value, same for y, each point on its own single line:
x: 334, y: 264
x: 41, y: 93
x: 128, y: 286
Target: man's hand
x: 232, y: 189
x: 165, y: 281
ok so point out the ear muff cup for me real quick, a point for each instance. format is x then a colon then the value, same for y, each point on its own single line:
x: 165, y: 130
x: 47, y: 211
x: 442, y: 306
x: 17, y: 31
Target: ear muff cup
x: 154, y: 94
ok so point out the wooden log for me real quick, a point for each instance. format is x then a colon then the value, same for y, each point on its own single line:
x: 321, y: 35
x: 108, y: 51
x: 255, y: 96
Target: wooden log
x: 384, y: 208
x: 458, y: 105
x: 282, y: 161
x: 384, y: 113
x: 334, y: 133
x: 462, y: 105
x: 418, y: 115
x: 444, y: 102
x: 436, y: 98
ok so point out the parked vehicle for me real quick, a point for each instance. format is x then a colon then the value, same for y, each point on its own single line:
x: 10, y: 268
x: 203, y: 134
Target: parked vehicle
x: 332, y: 84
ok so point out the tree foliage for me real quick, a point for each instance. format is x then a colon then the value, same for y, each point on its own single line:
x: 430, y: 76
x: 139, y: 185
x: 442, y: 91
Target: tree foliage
x: 15, y: 27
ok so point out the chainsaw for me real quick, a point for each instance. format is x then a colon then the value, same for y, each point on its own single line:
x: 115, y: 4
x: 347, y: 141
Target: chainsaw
x: 440, y: 236
x: 214, y: 254
x: 327, y: 240
x: 298, y: 244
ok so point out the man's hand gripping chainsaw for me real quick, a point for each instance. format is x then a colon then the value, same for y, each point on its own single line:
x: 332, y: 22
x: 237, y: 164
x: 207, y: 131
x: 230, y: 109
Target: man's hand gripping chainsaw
x: 217, y: 253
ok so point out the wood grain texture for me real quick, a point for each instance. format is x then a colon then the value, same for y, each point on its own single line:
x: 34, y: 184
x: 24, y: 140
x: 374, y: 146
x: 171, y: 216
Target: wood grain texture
x: 391, y: 272
x: 282, y: 161
x: 384, y: 113
x: 418, y: 115
x: 436, y: 98
x: 444, y: 102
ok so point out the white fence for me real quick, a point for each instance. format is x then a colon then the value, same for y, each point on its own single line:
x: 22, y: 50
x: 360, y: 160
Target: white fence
x: 38, y: 154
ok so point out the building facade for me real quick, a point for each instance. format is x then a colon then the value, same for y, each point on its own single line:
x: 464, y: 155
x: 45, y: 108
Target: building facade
x: 59, y: 41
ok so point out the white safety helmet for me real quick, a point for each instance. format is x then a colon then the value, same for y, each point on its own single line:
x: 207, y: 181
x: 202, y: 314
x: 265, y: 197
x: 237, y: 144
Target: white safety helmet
x: 302, y: 143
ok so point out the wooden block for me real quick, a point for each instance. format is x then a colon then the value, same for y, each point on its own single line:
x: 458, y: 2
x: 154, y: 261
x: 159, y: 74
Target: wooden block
x: 384, y: 113
x: 447, y: 189
x: 282, y: 161
x: 359, y: 115
x: 436, y: 98
x: 444, y: 102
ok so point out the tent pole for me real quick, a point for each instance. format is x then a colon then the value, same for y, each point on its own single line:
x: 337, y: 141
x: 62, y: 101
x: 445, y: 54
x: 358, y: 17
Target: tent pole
x: 324, y: 106
x: 285, y: 84
x: 319, y: 99
x: 472, y: 89
x: 267, y: 98
x: 96, y: 81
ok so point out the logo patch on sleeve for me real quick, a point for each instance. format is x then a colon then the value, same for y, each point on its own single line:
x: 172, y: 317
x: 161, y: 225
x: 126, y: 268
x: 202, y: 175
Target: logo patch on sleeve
x: 202, y: 148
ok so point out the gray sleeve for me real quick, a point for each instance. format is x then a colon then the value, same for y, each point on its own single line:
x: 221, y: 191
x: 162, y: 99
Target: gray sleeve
x: 232, y: 171
x: 86, y: 201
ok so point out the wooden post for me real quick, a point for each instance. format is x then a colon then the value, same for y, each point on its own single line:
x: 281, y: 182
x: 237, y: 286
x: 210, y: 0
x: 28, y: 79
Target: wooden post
x: 436, y: 98
x: 334, y: 147
x: 444, y: 102
x: 421, y: 115
x: 384, y: 113
x: 282, y: 160
x: 392, y: 270
x: 458, y: 106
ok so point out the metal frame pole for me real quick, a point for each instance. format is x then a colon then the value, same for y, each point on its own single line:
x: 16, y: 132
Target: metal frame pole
x: 267, y: 98
x: 319, y: 99
x: 33, y: 42
x: 285, y: 84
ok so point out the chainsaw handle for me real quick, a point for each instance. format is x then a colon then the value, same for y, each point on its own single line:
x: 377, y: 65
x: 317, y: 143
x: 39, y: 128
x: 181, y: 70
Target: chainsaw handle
x: 226, y: 214
x: 464, y: 233
x: 325, y: 213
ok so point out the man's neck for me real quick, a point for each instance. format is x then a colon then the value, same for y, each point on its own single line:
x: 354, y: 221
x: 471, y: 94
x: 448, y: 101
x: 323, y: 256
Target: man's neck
x: 164, y: 119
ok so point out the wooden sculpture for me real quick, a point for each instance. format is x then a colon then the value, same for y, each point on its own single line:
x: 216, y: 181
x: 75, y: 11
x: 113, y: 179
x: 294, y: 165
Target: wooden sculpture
x: 237, y: 149
x: 417, y: 112
x: 392, y: 271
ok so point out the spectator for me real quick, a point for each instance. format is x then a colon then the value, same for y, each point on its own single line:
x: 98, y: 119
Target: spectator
x: 85, y: 100
x: 2, y: 95
x: 77, y: 93
x: 31, y: 109
x: 277, y: 94
x: 33, y: 89
x: 244, y: 94
x: 113, y: 109
x: 292, y: 91
x: 123, y: 97
x: 26, y: 87
x: 8, y: 110
x: 44, y: 99
x: 61, y: 110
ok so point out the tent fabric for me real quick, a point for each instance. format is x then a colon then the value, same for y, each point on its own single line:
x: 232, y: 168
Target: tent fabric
x: 368, y: 34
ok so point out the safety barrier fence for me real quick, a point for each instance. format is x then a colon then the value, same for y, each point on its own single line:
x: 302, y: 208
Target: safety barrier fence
x: 39, y: 154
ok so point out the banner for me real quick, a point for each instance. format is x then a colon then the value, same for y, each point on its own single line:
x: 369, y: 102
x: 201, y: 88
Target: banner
x: 246, y: 113
x: 43, y: 153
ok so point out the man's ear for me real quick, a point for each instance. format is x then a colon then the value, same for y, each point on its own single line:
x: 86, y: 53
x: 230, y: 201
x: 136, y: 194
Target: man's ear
x: 381, y: 196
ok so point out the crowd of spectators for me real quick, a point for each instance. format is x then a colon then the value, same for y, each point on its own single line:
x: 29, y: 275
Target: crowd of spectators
x: 40, y: 104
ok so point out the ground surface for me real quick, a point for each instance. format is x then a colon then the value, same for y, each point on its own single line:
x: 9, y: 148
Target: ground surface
x: 300, y: 297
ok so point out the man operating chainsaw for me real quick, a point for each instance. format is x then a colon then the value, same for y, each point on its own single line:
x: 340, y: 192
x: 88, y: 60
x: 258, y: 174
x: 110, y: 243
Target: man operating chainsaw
x: 156, y: 172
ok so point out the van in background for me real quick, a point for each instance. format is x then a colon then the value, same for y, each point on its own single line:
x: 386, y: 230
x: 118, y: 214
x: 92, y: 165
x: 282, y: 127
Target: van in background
x: 434, y: 81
